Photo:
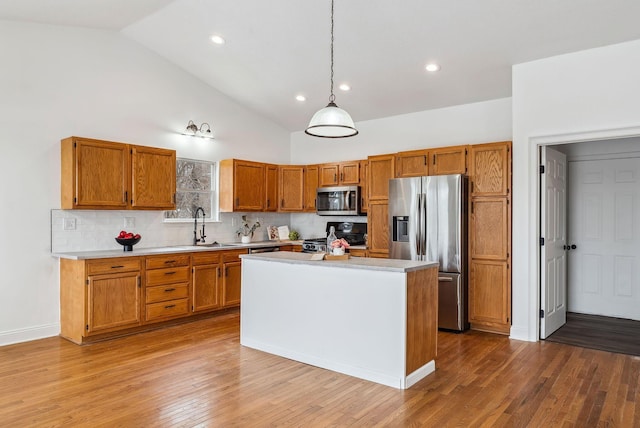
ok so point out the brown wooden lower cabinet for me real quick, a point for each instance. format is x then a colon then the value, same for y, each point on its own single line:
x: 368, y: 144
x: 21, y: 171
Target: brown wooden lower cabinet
x: 206, y: 276
x: 102, y: 298
x: 113, y: 301
x: 489, y: 296
x: 358, y: 252
x: 231, y: 284
x: 167, y: 279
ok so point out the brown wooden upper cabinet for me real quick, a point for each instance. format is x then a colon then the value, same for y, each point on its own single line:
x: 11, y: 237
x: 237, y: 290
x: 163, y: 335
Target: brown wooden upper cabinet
x: 153, y: 178
x: 242, y: 185
x: 364, y: 186
x: 490, y: 169
x: 271, y: 187
x: 381, y: 170
x: 413, y: 163
x: 448, y: 160
x: 343, y: 173
x: 98, y: 174
x: 310, y: 186
x: 291, y: 189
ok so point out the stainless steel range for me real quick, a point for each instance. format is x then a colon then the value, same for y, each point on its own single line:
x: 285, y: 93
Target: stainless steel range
x: 353, y: 233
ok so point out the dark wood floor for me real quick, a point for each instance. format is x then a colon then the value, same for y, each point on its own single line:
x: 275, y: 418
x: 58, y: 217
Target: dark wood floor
x: 598, y: 332
x: 197, y: 374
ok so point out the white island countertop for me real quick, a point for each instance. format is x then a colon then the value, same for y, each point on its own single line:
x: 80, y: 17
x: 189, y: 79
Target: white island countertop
x: 389, y: 265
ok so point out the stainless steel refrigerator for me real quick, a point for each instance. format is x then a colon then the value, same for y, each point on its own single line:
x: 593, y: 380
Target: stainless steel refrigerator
x: 427, y: 221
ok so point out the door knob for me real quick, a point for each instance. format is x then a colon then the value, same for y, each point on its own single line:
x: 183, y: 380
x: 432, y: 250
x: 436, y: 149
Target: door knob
x: 573, y: 246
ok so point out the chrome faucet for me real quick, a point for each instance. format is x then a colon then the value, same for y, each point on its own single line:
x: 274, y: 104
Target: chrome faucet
x: 195, y: 227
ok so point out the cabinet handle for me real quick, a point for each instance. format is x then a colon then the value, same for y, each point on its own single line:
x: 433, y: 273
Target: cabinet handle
x: 219, y: 273
x: 434, y: 160
x: 170, y: 306
x: 226, y: 271
x: 117, y: 267
x: 170, y: 273
x: 126, y: 196
x: 169, y: 261
x: 268, y: 203
x: 282, y: 204
x: 335, y: 177
x: 169, y: 290
x: 342, y: 176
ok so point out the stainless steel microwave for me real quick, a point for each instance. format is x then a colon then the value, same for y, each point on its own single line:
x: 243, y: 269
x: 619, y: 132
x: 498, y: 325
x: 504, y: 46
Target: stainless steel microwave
x: 338, y: 200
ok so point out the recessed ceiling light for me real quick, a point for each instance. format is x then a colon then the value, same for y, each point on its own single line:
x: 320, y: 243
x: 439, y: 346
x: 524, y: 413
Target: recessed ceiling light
x: 345, y: 87
x: 432, y: 67
x: 218, y: 40
x: 301, y: 98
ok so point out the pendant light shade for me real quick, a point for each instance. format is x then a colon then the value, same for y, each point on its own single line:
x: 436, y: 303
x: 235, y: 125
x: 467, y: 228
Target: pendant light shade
x: 331, y: 121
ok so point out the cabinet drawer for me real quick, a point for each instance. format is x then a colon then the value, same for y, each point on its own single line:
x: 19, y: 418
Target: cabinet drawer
x: 206, y: 258
x: 166, y: 292
x: 233, y: 256
x: 169, y: 309
x: 167, y: 276
x: 171, y: 260
x: 124, y: 264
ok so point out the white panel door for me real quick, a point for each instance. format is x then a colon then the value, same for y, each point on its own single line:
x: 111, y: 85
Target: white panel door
x: 553, y: 254
x: 604, y: 224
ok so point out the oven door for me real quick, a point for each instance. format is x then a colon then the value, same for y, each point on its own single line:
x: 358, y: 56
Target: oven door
x: 339, y: 200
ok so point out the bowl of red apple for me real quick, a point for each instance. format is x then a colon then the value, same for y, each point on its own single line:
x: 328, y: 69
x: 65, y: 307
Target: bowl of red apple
x: 128, y: 240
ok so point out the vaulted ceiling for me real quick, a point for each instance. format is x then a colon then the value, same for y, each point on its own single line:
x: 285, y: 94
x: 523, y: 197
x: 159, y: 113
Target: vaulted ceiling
x: 278, y: 49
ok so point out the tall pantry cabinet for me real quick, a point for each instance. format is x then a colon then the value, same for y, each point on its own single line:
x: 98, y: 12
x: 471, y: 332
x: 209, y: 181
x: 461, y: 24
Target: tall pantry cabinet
x: 490, y: 237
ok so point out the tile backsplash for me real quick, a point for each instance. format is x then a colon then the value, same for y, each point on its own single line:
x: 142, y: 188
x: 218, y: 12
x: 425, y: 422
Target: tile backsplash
x: 95, y: 230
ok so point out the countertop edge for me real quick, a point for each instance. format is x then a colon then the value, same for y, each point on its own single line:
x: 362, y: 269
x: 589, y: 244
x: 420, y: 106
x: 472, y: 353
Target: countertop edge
x: 173, y: 249
x: 389, y: 265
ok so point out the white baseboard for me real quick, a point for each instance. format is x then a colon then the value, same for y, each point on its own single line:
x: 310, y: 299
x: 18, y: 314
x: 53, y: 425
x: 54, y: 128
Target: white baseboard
x: 29, y: 333
x: 521, y: 333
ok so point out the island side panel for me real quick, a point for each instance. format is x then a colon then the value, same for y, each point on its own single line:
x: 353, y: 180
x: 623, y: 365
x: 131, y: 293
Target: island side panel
x: 422, y: 318
x: 348, y: 320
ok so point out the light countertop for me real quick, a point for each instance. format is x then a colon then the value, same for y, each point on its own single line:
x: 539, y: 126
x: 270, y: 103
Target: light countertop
x: 102, y: 254
x: 390, y: 265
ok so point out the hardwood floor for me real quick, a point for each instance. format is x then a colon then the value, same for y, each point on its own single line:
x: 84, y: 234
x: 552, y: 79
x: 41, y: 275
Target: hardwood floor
x: 598, y: 332
x: 197, y: 374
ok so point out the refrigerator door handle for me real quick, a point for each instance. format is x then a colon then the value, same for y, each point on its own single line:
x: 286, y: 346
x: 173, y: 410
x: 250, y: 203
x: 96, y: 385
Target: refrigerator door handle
x: 423, y: 226
x: 416, y: 220
x: 445, y: 279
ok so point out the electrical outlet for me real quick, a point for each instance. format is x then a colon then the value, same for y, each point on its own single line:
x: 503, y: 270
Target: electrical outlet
x: 69, y: 224
x: 129, y: 222
x: 234, y: 222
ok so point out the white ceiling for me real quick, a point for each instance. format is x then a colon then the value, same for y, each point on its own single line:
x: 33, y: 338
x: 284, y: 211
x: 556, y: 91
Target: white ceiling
x: 280, y: 48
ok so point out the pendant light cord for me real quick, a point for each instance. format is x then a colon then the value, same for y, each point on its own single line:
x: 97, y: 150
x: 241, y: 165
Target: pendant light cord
x: 332, y: 97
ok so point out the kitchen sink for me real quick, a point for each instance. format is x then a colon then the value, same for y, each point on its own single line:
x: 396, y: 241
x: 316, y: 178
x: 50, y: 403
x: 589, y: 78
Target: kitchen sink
x: 213, y: 245
x: 162, y: 249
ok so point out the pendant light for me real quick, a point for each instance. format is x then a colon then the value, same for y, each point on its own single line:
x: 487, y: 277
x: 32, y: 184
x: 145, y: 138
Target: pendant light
x: 331, y: 121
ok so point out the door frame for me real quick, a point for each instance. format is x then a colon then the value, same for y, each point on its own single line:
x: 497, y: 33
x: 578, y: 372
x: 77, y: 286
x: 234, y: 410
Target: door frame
x: 535, y: 281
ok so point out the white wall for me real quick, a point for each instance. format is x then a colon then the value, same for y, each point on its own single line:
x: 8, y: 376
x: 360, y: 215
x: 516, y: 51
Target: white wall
x: 587, y: 95
x: 60, y: 81
x: 465, y: 124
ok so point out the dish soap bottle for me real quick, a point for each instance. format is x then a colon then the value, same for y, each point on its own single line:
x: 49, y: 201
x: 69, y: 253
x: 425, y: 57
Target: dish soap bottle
x: 332, y: 237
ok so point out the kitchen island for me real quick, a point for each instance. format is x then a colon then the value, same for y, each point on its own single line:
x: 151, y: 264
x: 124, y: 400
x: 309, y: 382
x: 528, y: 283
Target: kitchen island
x: 375, y: 319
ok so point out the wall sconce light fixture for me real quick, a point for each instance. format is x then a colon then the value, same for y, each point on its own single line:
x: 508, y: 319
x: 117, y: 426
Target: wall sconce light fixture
x: 203, y: 132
